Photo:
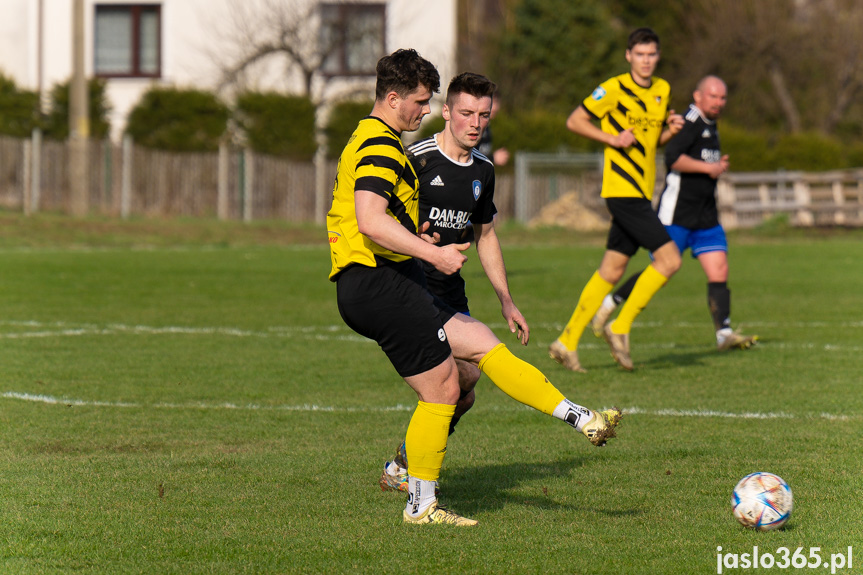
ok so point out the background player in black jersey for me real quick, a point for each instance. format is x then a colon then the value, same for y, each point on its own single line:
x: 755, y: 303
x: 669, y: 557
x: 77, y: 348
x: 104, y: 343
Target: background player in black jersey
x: 687, y: 208
x: 500, y: 156
x: 456, y: 185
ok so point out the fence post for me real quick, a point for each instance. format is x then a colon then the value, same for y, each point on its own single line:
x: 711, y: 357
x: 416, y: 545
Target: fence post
x: 36, y: 177
x: 108, y: 175
x: 320, y: 163
x: 222, y: 205
x: 126, y: 186
x: 803, y: 199
x: 26, y: 178
x: 520, y: 192
x: 248, y: 183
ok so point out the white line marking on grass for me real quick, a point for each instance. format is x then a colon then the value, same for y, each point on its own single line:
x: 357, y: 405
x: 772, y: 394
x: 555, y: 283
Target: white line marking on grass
x: 63, y: 329
x: 35, y: 329
x: 310, y: 408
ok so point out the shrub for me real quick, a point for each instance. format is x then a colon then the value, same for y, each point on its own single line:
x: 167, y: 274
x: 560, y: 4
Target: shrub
x: 747, y: 151
x: 808, y: 152
x: 538, y: 131
x: 19, y: 109
x: 342, y: 122
x: 277, y: 124
x: 179, y: 120
x: 57, y: 120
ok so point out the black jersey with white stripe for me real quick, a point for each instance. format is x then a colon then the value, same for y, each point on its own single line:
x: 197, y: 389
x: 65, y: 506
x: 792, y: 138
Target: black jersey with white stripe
x: 451, y: 195
x: 689, y: 200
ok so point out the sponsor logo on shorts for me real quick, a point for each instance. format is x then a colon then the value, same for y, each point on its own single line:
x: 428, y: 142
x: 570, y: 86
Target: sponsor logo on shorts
x: 441, y: 334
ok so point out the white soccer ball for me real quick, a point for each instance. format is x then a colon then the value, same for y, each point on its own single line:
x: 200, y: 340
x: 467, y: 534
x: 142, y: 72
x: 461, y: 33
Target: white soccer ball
x: 762, y: 501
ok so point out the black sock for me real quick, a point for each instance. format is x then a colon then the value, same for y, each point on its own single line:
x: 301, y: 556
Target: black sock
x: 719, y: 303
x: 623, y: 292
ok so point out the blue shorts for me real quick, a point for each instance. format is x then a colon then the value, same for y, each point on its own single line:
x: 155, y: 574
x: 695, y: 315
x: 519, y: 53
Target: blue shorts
x: 699, y: 241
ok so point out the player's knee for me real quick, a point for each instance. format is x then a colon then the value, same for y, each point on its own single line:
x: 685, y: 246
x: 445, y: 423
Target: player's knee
x: 468, y: 375
x: 669, y: 263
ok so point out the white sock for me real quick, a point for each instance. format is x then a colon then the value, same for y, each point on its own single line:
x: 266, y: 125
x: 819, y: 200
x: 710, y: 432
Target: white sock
x: 609, y: 303
x: 420, y: 496
x: 723, y: 333
x: 572, y: 413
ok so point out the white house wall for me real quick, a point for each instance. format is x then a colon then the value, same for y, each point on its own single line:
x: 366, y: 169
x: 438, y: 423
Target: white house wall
x: 189, y: 37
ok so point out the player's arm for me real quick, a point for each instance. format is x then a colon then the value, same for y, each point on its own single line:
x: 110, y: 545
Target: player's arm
x: 673, y: 124
x: 690, y: 165
x: 491, y: 258
x: 374, y: 223
x: 581, y: 122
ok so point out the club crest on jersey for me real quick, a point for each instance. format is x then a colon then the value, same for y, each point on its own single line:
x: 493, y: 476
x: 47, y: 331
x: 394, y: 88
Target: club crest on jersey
x: 599, y: 93
x: 477, y: 189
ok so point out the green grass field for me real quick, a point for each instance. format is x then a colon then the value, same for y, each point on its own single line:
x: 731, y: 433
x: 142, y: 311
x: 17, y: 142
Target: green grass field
x: 182, y: 397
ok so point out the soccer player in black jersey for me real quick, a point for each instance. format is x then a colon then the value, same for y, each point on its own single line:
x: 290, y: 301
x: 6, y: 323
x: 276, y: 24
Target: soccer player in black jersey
x: 376, y: 242
x: 635, y: 119
x: 456, y: 183
x: 687, y: 208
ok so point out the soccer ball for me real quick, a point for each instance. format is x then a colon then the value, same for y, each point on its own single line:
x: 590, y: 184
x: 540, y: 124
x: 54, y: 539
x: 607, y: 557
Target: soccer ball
x: 762, y: 501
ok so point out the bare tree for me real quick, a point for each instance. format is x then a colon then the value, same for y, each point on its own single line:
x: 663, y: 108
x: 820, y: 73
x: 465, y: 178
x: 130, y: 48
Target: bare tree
x: 798, y: 63
x: 267, y: 32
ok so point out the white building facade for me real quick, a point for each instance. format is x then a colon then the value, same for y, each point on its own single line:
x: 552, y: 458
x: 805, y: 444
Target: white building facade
x: 184, y: 43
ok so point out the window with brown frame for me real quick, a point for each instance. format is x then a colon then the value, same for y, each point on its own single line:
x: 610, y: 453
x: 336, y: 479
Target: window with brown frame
x: 352, y: 38
x: 127, y: 40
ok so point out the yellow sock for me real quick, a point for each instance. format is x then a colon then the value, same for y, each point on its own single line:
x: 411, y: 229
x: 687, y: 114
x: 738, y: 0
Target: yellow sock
x: 588, y: 304
x: 425, y: 440
x: 644, y: 289
x: 520, y: 380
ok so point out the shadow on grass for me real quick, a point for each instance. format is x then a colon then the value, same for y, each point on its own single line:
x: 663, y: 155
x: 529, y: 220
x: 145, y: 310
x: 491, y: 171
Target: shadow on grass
x: 490, y: 487
x: 689, y: 356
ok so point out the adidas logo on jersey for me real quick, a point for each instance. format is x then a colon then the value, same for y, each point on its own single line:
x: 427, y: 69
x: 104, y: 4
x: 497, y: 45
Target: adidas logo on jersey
x: 436, y: 181
x: 705, y: 133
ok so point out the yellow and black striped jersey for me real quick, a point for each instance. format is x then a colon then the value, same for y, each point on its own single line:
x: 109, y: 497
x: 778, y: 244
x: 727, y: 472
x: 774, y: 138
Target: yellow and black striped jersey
x: 373, y: 160
x: 619, y: 103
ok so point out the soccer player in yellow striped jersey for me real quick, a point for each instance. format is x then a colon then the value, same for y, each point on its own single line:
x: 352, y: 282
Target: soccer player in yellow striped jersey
x: 375, y: 246
x: 634, y: 120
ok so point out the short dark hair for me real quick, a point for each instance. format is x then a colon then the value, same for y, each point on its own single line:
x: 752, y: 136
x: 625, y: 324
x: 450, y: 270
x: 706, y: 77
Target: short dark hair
x: 404, y: 71
x: 642, y: 36
x: 475, y: 85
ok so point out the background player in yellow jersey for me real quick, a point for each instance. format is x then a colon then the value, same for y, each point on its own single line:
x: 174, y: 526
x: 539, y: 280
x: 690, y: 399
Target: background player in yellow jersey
x: 688, y: 210
x: 375, y: 248
x: 635, y: 119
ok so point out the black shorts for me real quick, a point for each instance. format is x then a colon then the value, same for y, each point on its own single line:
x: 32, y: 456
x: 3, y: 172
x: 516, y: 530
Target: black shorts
x: 391, y: 305
x: 634, y: 225
x: 450, y: 289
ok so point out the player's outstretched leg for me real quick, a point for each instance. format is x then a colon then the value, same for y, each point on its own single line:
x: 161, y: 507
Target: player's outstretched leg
x: 526, y: 384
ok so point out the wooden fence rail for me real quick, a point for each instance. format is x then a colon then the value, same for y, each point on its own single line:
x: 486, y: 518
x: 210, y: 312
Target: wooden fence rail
x: 127, y: 180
